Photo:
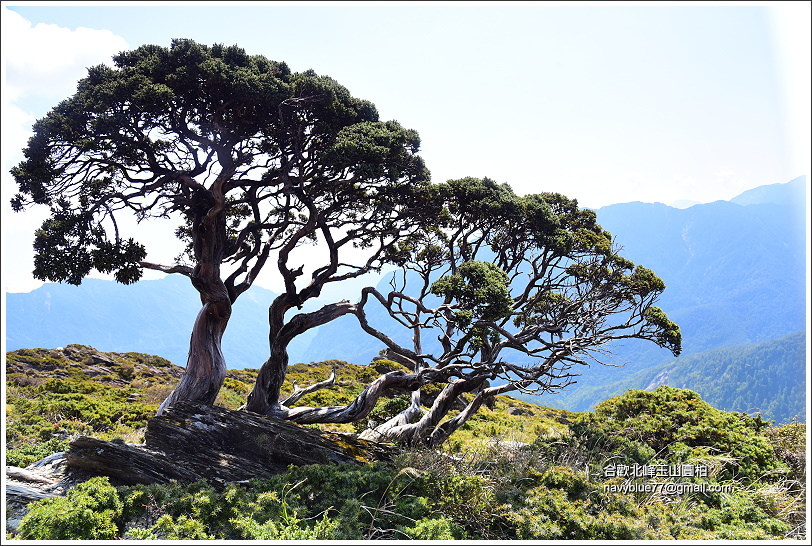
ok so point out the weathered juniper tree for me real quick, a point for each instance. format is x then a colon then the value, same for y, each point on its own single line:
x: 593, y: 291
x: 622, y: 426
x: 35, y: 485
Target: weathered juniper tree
x: 252, y: 159
x: 500, y: 293
x: 369, y: 197
x: 254, y: 162
x: 508, y: 293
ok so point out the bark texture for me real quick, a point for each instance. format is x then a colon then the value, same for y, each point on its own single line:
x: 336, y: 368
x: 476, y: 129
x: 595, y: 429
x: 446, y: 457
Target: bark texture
x: 190, y: 441
x: 206, y: 365
x: 361, y: 406
x: 427, y: 430
x: 125, y: 463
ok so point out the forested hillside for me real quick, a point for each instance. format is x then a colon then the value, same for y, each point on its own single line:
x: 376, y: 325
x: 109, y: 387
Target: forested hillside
x: 767, y: 378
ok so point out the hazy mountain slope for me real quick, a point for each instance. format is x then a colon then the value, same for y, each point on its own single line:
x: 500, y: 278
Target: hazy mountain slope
x: 794, y: 191
x: 735, y: 274
x: 768, y: 377
x: 154, y: 316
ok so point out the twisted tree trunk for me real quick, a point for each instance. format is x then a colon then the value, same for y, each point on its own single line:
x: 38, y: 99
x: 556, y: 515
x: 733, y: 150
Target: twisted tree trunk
x: 358, y: 408
x: 205, y: 365
x: 264, y: 398
x: 428, y: 430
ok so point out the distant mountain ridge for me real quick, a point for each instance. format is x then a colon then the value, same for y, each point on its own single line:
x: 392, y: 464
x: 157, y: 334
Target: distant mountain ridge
x: 151, y: 316
x: 734, y: 271
x: 766, y: 378
x: 735, y: 275
x: 794, y: 191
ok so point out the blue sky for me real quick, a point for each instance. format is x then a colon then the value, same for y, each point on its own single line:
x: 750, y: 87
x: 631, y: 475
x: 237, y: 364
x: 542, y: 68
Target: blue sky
x: 604, y: 103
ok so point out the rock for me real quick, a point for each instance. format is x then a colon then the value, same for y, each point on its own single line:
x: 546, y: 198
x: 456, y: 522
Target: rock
x: 191, y: 441
x: 99, y: 358
x: 508, y: 448
x: 518, y: 411
x: 126, y: 464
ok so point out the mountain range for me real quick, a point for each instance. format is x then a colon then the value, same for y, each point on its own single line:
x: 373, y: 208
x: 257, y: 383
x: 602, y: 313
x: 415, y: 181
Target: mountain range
x: 151, y: 316
x: 768, y: 378
x: 735, y: 273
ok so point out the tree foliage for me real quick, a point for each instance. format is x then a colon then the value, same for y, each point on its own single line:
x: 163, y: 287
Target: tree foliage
x: 516, y: 291
x: 254, y: 157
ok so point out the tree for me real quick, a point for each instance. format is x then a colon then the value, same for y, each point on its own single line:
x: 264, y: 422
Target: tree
x: 253, y: 157
x: 372, y: 208
x: 256, y: 162
x: 516, y: 291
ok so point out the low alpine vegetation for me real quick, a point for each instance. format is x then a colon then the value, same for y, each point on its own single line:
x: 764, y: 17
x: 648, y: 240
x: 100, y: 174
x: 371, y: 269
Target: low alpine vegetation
x: 644, y: 465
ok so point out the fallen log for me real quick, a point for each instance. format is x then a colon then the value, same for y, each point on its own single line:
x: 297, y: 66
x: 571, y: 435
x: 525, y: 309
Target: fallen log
x: 125, y: 463
x: 24, y: 475
x: 190, y: 441
x: 22, y: 494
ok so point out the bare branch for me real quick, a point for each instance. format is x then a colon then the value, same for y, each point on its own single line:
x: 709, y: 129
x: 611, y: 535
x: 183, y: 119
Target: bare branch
x: 177, y: 268
x: 299, y: 392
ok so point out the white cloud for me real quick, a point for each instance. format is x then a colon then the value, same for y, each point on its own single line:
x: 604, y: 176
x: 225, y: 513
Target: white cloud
x: 48, y: 60
x: 41, y: 65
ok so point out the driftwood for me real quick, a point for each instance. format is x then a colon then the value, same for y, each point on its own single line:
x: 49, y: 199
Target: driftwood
x: 191, y: 441
x: 24, y: 475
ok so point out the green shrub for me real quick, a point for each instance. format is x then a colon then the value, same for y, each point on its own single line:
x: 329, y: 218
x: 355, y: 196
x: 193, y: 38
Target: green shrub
x: 89, y: 511
x: 182, y: 528
x: 198, y: 510
x: 789, y: 442
x: 289, y: 527
x: 737, y: 516
x: 140, y: 534
x: 26, y: 454
x: 434, y: 529
x: 199, y: 501
x: 71, y: 406
x: 644, y: 426
x: 553, y: 514
x: 552, y: 489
